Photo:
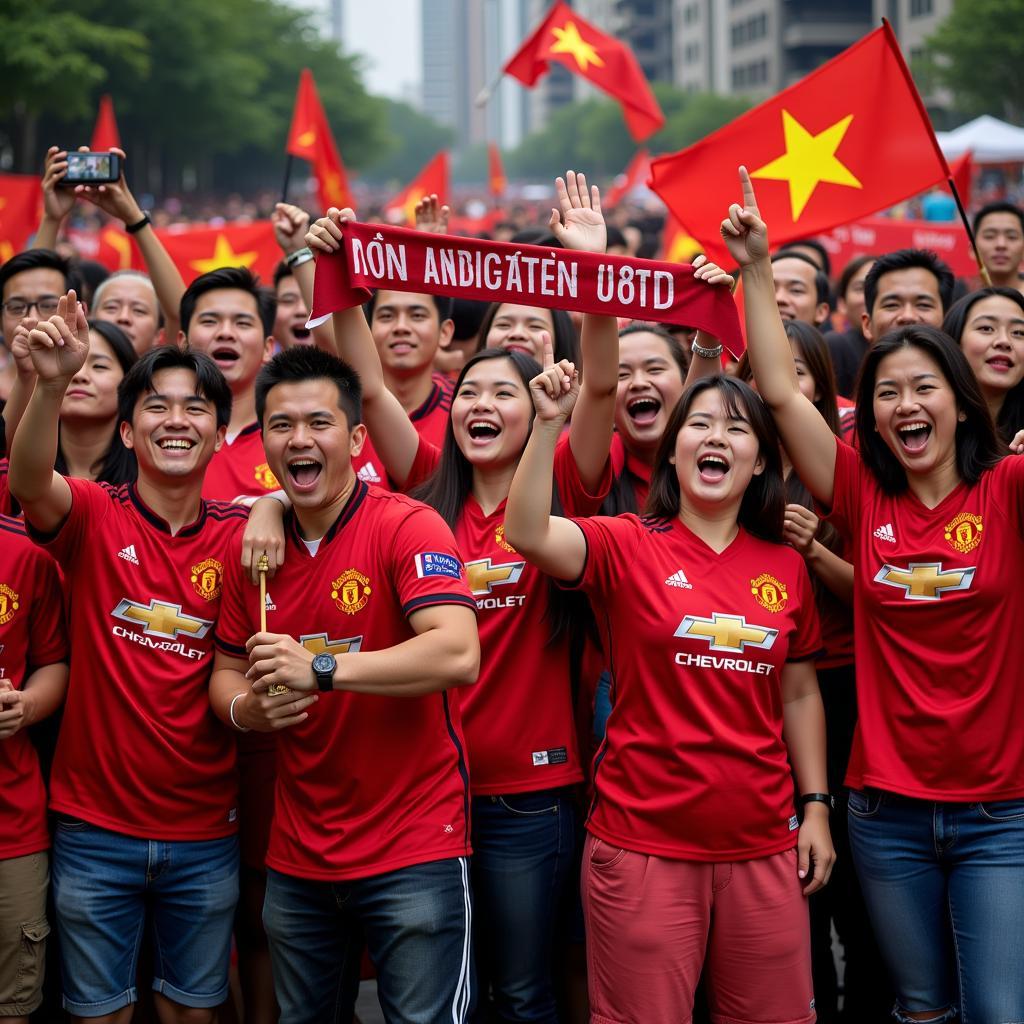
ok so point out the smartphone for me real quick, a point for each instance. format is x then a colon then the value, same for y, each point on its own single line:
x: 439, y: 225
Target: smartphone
x: 92, y: 168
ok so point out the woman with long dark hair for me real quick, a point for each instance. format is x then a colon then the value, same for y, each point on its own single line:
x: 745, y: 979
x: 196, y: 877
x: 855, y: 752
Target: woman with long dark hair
x: 934, y: 515
x: 708, y: 619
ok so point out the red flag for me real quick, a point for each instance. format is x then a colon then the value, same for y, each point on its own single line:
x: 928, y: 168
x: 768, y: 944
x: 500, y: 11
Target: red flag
x: 433, y: 178
x: 677, y: 245
x: 105, y: 135
x: 310, y: 138
x: 851, y: 138
x: 961, y: 171
x: 495, y: 172
x: 635, y: 174
x: 196, y: 250
x: 610, y: 65
x: 20, y: 197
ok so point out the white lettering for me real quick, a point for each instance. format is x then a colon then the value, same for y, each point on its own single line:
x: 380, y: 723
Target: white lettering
x: 515, y: 281
x: 466, y: 269
x: 358, y: 260
x: 547, y: 276
x: 448, y: 266
x: 167, y: 646
x: 492, y: 272
x: 627, y: 290
x: 605, y: 294
x: 642, y: 275
x: 514, y: 601
x: 430, y: 268
x: 375, y: 258
x: 567, y: 278
x: 663, y: 279
x: 396, y: 262
x: 757, y: 668
x: 531, y: 262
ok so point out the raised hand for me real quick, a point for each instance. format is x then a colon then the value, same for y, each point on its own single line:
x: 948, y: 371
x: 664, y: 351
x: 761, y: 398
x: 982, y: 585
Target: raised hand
x: 59, y: 346
x: 710, y: 273
x: 580, y: 225
x: 325, y: 233
x: 115, y: 198
x: 799, y: 527
x: 432, y: 216
x: 744, y: 233
x: 19, y: 347
x: 555, y: 389
x: 57, y: 202
x: 290, y: 226
x: 1017, y: 444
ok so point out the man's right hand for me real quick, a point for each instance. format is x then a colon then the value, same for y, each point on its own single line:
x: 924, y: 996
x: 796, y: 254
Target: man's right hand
x: 325, y: 233
x: 59, y: 346
x: 262, y: 712
x: 744, y: 233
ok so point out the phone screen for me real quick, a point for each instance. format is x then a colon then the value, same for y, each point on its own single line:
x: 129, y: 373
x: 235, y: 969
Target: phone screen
x: 89, y: 166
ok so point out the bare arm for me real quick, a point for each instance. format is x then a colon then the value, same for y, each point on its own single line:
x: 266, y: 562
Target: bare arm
x: 799, y: 529
x: 38, y: 698
x: 808, y: 440
x: 57, y: 202
x: 24, y: 382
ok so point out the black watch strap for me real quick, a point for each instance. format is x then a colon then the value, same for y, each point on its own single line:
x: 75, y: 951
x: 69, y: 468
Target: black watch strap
x: 134, y: 229
x: 818, y: 798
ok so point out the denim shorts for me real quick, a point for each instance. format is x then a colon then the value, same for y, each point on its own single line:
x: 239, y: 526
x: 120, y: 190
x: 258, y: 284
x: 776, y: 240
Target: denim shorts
x: 108, y: 886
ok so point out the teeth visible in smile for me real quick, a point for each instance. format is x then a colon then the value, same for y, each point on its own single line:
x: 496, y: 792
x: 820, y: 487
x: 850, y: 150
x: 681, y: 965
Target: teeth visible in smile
x: 481, y: 428
x: 180, y: 443
x: 910, y: 427
x: 304, y: 462
x: 713, y: 460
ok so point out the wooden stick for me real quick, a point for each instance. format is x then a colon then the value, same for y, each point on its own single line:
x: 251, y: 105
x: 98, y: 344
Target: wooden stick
x: 263, y: 565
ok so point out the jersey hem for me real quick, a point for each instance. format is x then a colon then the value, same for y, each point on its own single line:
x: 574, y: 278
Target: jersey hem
x: 136, y: 831
x: 534, y: 785
x: 365, y: 871
x: 25, y: 849
x: 704, y: 856
x: 923, y: 793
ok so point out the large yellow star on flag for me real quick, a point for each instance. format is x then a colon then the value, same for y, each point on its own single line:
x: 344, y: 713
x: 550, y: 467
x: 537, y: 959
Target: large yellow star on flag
x: 224, y: 256
x: 808, y: 160
x: 570, y: 41
x: 307, y: 138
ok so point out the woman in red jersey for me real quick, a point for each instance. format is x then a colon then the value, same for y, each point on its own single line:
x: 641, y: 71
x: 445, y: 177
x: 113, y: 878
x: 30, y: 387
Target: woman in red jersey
x: 934, y: 516
x: 709, y: 623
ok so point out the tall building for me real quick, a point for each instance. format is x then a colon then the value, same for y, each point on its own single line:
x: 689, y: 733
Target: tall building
x: 913, y: 21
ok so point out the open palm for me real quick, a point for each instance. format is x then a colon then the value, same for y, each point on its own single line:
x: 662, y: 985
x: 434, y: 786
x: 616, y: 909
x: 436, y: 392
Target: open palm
x: 580, y: 224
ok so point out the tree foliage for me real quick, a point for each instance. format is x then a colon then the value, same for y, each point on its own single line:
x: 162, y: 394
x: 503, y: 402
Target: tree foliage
x: 979, y: 55
x: 414, y: 139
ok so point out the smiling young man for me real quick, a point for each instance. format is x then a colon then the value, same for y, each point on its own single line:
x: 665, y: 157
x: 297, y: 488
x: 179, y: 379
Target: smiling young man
x: 144, y: 775
x: 908, y: 286
x: 370, y: 622
x: 999, y: 233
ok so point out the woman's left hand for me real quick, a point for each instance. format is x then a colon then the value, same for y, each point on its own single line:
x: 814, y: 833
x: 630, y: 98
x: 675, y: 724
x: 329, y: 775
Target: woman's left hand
x: 584, y: 228
x: 815, y: 846
x: 799, y: 527
x: 264, y: 534
x: 555, y: 389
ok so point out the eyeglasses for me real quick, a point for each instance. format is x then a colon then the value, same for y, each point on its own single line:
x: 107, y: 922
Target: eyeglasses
x: 46, y: 306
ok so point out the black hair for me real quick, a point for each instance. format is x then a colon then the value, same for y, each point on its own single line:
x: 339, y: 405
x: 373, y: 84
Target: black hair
x: 1011, y: 412
x: 822, y: 287
x: 812, y: 243
x: 615, y: 237
x: 91, y: 275
x: 762, y: 508
x: 281, y: 271
x: 977, y: 447
x: 36, y: 259
x: 442, y: 303
x: 210, y: 382
x: 467, y: 315
x: 908, y: 259
x: 118, y: 465
x: 239, y: 278
x: 307, y: 362
x: 997, y: 207
x: 564, y: 340
x: 850, y: 271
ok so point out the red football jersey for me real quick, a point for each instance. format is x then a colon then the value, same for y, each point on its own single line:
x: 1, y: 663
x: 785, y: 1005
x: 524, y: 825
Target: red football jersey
x: 693, y: 765
x: 366, y: 784
x: 140, y: 751
x: 937, y: 600
x: 6, y: 502
x: 32, y: 634
x: 240, y: 469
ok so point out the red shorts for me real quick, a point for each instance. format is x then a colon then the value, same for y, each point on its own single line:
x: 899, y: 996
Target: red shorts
x: 650, y: 921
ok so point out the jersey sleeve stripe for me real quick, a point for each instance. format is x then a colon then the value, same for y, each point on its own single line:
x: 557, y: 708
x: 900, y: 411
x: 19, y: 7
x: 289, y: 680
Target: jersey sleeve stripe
x: 431, y: 599
x: 818, y: 652
x: 232, y: 649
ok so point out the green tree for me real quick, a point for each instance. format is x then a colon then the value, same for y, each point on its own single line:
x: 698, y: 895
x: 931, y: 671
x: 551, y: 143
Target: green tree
x: 979, y: 55
x: 413, y: 138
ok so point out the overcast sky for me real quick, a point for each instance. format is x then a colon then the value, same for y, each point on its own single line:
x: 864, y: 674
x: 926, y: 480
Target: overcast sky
x: 387, y: 32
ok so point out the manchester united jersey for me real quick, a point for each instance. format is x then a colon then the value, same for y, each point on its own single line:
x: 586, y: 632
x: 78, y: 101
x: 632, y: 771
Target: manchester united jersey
x: 140, y: 750
x: 693, y: 765
x: 240, y: 469
x: 367, y: 784
x: 32, y: 634
x: 937, y: 607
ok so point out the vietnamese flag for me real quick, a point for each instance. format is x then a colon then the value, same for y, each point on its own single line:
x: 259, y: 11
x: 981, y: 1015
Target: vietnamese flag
x: 197, y: 250
x: 495, y: 172
x: 105, y: 135
x: 20, y: 199
x: 432, y: 180
x: 851, y: 138
x: 310, y: 138
x: 635, y: 174
x: 677, y: 245
x: 565, y: 37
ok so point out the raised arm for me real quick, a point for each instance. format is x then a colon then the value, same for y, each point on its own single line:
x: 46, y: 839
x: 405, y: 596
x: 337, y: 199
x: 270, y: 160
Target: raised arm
x: 24, y: 381
x: 809, y: 441
x: 579, y: 225
x: 58, y: 347
x: 393, y: 435
x: 57, y: 200
x: 554, y: 544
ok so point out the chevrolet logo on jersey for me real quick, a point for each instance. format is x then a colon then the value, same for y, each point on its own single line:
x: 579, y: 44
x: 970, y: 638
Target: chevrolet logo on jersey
x: 482, y: 576
x: 159, y: 618
x: 729, y: 633
x: 318, y: 643
x: 925, y: 581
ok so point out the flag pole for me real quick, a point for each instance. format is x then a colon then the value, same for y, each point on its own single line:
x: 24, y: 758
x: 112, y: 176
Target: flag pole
x: 287, y: 178
x: 986, y: 280
x: 488, y: 90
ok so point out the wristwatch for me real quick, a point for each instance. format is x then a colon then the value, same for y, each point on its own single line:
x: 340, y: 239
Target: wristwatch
x: 811, y: 798
x: 323, y: 668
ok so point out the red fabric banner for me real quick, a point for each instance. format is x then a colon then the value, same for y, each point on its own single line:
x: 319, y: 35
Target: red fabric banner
x: 373, y: 256
x: 20, y: 200
x: 876, y: 235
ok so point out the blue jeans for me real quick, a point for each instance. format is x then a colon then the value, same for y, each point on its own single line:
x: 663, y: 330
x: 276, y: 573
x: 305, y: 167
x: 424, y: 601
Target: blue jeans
x: 523, y: 849
x: 944, y: 886
x: 416, y: 922
x: 106, y: 884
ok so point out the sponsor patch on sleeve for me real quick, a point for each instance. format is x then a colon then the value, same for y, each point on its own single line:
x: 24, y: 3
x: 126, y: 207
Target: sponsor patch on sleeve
x: 437, y: 563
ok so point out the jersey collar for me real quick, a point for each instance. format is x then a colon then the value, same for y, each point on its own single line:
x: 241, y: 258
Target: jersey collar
x: 355, y: 499
x: 432, y: 402
x: 161, y: 524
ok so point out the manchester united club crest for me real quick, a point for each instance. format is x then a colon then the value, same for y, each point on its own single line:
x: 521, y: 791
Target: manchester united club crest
x: 265, y: 478
x: 499, y: 539
x: 9, y: 604
x: 350, y: 591
x: 964, y: 532
x: 769, y: 592
x: 207, y: 577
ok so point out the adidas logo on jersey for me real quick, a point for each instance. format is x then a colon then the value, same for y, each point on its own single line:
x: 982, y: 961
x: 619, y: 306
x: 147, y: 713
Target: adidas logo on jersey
x: 368, y: 474
x: 128, y: 554
x: 885, y: 533
x: 678, y: 579
x: 270, y: 606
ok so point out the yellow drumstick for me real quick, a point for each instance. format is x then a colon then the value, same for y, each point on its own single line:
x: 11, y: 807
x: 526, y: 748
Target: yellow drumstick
x: 263, y: 565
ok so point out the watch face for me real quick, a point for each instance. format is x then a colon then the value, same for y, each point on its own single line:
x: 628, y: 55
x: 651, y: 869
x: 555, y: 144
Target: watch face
x: 324, y: 663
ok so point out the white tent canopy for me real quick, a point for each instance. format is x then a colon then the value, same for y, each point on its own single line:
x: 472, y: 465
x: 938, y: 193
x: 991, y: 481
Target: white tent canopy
x: 990, y: 141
